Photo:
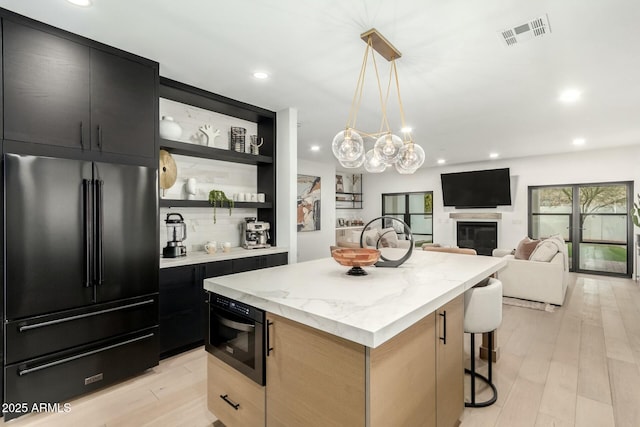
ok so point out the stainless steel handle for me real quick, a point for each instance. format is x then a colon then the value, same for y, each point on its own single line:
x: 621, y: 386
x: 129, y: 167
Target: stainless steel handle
x: 88, y: 232
x: 99, y: 222
x: 81, y: 355
x: 244, y: 327
x: 81, y: 135
x: 24, y: 328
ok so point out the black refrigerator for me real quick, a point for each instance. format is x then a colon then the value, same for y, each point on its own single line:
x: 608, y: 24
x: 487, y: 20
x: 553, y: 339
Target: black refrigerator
x: 81, y: 277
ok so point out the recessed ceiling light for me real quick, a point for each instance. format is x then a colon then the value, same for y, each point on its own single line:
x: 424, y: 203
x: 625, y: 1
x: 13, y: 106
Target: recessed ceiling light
x: 494, y: 155
x: 83, y: 3
x: 315, y: 148
x: 579, y: 141
x: 569, y: 96
x: 441, y: 161
x: 260, y: 75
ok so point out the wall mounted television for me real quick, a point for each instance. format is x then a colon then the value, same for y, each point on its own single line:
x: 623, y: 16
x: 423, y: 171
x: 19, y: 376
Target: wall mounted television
x: 476, y: 189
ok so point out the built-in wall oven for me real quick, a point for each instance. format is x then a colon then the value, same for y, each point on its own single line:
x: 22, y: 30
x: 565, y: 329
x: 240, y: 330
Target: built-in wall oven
x: 236, y: 334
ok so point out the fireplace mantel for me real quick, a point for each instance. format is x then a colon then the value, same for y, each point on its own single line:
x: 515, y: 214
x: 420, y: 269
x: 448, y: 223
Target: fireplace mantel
x: 476, y: 215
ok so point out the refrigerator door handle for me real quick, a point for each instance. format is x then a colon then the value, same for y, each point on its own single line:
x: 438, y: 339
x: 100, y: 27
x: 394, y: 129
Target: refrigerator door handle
x: 88, y: 232
x: 99, y: 222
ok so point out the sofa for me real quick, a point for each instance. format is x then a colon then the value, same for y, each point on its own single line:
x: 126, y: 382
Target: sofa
x: 536, y: 278
x: 386, y: 237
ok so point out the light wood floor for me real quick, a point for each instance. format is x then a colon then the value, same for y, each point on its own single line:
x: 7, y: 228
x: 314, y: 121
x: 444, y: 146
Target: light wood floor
x: 577, y: 366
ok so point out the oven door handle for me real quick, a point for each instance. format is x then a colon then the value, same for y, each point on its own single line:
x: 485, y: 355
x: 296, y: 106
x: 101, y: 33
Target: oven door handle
x: 239, y: 326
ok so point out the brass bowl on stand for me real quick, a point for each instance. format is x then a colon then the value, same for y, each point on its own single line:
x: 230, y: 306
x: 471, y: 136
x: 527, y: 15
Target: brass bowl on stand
x: 356, y: 258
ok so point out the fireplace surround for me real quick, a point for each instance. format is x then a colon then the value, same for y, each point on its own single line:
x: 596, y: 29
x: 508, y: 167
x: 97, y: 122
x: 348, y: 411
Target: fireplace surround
x: 479, y: 235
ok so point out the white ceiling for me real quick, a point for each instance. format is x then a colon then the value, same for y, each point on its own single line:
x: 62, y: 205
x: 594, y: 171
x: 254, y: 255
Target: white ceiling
x: 464, y: 92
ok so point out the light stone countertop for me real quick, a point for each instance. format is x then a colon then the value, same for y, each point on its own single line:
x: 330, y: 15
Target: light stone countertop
x: 199, y: 257
x: 367, y: 310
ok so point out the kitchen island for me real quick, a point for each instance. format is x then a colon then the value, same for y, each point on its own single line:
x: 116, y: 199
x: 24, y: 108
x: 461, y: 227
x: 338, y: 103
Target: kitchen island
x: 381, y: 349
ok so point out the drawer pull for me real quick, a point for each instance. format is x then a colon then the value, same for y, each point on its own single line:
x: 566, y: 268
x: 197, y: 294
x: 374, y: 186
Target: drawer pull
x: 225, y: 397
x: 444, y: 327
x: 81, y: 355
x: 81, y: 316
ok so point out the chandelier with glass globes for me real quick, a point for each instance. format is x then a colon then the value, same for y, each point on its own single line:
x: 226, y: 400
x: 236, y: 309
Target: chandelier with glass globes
x: 389, y: 149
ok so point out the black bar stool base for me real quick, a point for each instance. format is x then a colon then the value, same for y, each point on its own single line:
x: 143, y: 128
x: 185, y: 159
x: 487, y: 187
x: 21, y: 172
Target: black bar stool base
x: 474, y: 374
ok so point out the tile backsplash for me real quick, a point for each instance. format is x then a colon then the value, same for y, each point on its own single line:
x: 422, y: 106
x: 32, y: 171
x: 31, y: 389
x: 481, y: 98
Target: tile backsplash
x: 231, y: 178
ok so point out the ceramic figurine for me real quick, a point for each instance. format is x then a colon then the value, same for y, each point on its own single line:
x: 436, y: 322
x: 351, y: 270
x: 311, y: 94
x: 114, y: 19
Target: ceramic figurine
x: 170, y: 129
x: 210, y: 133
x: 191, y: 188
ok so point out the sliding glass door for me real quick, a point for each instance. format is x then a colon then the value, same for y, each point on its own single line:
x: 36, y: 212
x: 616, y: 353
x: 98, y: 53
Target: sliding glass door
x: 594, y: 221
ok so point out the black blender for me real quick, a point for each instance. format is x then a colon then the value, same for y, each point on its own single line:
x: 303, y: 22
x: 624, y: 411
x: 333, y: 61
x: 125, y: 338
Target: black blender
x: 176, y: 233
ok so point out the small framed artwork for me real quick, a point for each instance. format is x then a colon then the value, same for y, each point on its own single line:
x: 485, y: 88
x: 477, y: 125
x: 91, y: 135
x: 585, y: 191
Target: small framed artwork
x: 308, y: 203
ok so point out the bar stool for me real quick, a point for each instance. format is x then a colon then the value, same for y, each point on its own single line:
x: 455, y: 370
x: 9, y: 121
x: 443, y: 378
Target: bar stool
x: 482, y: 313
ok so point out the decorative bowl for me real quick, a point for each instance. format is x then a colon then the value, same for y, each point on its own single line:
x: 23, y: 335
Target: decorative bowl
x: 356, y: 258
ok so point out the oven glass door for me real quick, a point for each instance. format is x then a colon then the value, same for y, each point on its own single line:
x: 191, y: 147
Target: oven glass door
x: 238, y: 341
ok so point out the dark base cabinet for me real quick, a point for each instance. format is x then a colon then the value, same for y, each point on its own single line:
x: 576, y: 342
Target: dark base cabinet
x: 183, y: 299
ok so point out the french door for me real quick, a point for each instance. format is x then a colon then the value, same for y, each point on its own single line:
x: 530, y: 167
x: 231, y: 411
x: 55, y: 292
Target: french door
x: 594, y: 221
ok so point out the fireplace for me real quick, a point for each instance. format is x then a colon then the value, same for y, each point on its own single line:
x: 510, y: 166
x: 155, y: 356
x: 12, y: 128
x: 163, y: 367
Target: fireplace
x: 481, y: 236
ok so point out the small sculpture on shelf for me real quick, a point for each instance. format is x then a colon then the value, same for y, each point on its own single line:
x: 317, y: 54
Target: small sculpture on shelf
x: 218, y: 196
x: 255, y: 145
x: 210, y: 133
x: 169, y: 129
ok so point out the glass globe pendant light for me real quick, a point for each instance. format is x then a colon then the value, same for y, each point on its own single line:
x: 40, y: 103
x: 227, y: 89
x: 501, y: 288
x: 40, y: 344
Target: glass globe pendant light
x: 348, y: 145
x: 387, y: 148
x: 372, y: 163
x: 411, y: 157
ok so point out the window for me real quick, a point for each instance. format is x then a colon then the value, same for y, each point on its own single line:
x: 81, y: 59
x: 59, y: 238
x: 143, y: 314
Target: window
x: 416, y: 209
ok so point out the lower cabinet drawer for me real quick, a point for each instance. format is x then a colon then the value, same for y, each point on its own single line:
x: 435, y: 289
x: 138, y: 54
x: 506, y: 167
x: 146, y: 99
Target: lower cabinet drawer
x: 59, y: 377
x: 233, y: 398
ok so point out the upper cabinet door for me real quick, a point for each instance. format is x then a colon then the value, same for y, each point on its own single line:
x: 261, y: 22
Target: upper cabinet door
x: 123, y: 105
x: 46, y: 88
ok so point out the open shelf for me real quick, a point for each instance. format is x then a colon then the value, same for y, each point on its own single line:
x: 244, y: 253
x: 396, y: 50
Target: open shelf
x: 193, y: 150
x: 176, y: 203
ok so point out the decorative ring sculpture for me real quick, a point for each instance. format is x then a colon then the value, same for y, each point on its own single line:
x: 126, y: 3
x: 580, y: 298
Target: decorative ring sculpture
x: 384, y: 262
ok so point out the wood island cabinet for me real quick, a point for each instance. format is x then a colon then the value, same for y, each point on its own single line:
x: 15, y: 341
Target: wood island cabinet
x: 317, y: 379
x: 64, y: 93
x: 450, y: 362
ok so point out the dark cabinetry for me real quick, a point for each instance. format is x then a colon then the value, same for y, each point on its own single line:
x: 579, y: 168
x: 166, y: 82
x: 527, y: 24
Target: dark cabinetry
x: 63, y: 93
x: 182, y: 298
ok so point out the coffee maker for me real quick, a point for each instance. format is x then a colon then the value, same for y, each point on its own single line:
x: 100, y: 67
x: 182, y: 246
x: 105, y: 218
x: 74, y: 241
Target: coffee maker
x: 255, y: 234
x: 176, y: 233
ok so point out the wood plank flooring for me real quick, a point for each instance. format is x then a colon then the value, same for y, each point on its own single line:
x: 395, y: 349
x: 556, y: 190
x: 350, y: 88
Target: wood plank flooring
x: 578, y: 366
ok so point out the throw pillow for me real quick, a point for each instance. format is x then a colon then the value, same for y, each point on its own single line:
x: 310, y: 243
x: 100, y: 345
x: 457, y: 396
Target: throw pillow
x: 388, y: 238
x: 525, y: 248
x: 370, y: 237
x: 544, y: 252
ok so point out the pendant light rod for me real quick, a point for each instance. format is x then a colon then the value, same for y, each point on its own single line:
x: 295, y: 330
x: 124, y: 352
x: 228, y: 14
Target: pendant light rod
x: 381, y: 45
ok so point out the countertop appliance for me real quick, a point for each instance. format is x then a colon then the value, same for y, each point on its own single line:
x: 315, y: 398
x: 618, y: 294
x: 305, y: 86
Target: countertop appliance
x: 236, y: 336
x: 176, y: 233
x: 255, y: 234
x: 81, y: 276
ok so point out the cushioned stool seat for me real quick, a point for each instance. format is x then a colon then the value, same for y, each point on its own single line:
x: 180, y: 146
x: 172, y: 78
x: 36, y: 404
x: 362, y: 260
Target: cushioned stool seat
x: 482, y: 313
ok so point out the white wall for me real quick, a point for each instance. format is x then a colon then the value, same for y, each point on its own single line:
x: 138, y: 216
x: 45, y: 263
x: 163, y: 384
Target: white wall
x: 620, y: 164
x: 315, y: 244
x: 286, y: 173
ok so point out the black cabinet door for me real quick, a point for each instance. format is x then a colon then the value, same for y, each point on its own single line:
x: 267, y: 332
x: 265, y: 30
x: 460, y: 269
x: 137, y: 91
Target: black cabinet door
x: 246, y: 264
x: 46, y: 88
x: 181, y: 308
x: 122, y: 105
x: 275, y: 260
x: 218, y: 268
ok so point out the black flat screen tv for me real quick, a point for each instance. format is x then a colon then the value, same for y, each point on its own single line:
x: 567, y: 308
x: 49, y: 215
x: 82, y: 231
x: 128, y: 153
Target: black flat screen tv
x: 476, y: 189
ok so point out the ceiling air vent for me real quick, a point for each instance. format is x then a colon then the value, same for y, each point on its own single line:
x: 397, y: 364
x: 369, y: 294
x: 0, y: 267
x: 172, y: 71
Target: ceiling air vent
x: 535, y: 28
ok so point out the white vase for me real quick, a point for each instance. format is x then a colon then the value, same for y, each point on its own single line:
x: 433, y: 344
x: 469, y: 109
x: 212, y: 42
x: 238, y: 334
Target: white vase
x: 169, y: 129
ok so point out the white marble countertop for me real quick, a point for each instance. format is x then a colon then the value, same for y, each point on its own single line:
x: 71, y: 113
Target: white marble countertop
x: 199, y: 257
x: 367, y: 310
